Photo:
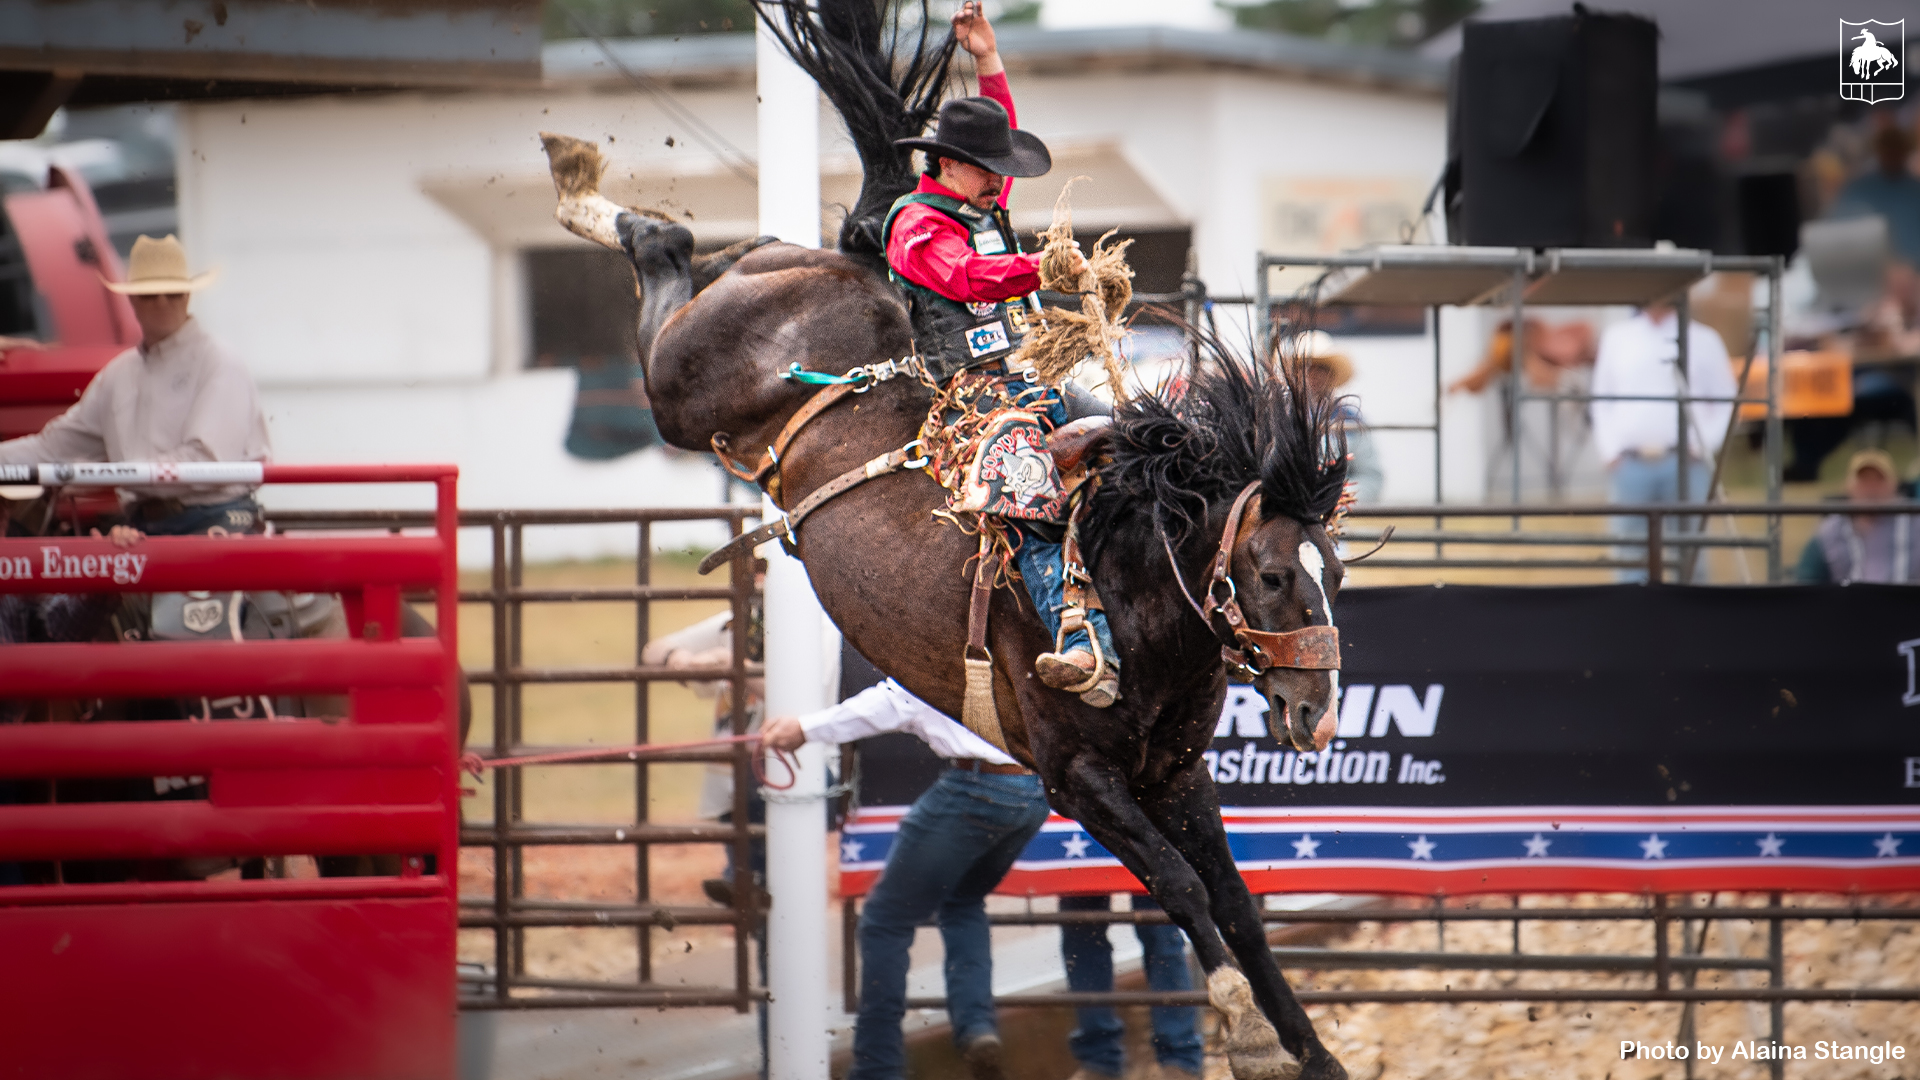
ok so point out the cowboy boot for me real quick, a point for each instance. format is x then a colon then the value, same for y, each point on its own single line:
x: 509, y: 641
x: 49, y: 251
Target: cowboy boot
x: 1080, y: 672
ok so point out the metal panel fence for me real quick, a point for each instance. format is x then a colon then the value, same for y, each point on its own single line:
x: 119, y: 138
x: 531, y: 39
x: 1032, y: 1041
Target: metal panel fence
x: 508, y: 912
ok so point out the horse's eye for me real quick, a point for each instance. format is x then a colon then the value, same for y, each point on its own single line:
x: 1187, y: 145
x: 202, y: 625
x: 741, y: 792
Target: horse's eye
x: 1271, y: 581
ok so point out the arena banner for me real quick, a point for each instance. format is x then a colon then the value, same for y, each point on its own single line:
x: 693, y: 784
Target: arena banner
x: 1496, y: 739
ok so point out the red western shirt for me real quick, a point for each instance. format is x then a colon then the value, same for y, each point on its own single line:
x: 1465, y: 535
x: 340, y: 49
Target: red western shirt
x: 929, y: 248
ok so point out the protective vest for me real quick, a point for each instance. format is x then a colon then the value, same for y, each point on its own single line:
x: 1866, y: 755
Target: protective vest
x: 1886, y: 555
x: 952, y: 335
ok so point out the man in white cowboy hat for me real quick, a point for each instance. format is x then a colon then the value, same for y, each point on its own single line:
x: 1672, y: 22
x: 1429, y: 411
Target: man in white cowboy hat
x: 176, y: 397
x: 1328, y: 369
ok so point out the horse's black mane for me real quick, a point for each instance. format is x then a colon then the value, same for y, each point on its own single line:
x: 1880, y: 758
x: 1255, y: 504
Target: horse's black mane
x: 1240, y: 418
x: 885, y: 74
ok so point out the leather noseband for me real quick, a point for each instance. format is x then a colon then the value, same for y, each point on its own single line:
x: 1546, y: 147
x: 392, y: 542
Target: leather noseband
x: 1312, y: 648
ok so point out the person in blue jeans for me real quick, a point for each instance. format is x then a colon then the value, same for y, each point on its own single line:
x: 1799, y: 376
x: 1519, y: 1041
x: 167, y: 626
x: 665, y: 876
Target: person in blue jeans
x: 954, y: 845
x: 1088, y: 953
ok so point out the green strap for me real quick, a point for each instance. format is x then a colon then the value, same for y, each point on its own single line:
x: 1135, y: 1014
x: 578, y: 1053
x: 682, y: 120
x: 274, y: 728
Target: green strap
x: 816, y: 378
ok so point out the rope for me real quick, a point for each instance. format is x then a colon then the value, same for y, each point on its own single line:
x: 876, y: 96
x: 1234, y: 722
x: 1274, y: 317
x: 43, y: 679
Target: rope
x: 475, y: 764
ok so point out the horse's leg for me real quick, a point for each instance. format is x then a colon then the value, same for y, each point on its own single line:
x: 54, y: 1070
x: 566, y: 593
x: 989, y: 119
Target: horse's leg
x: 662, y: 256
x: 1093, y: 792
x: 1186, y: 809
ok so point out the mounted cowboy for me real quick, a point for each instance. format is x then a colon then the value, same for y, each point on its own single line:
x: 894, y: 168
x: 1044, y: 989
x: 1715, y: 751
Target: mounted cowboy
x: 972, y: 295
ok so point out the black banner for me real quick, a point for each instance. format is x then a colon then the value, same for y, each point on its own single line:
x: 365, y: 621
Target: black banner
x: 1581, y: 737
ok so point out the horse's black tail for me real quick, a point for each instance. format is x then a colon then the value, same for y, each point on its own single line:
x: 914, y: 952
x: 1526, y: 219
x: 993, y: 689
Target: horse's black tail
x: 885, y: 73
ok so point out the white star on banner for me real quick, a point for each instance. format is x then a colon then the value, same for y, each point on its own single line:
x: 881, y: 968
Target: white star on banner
x: 1537, y: 847
x: 1770, y: 845
x: 1076, y: 846
x: 1422, y: 848
x: 1655, y: 847
x: 1886, y: 847
x: 1305, y: 847
x: 850, y: 850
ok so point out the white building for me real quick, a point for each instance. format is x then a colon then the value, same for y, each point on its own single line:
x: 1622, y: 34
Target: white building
x: 380, y: 253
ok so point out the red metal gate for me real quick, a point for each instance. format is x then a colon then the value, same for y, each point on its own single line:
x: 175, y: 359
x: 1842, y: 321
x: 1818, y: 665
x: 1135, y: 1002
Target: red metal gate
x: 324, y: 977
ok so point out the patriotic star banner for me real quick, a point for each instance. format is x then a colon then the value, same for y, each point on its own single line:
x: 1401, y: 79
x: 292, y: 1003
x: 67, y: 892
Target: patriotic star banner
x: 1493, y: 739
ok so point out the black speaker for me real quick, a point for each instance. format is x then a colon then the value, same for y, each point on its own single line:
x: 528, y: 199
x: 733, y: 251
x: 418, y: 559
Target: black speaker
x: 1770, y: 214
x: 1556, y: 131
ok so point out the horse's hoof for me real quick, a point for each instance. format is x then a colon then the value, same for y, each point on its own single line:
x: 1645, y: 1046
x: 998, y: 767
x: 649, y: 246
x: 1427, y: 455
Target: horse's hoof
x: 1253, y: 1048
x: 1275, y: 1067
x: 644, y: 236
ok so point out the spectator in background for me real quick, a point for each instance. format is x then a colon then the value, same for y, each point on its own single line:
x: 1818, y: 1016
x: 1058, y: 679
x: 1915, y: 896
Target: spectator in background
x: 1551, y: 349
x: 709, y: 644
x: 1890, y: 191
x: 1876, y: 548
x: 1328, y: 369
x: 1088, y: 953
x: 1640, y: 442
x: 176, y: 397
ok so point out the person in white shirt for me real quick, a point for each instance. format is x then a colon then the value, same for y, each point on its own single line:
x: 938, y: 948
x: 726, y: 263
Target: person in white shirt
x: 955, y: 844
x: 178, y: 396
x: 1640, y: 441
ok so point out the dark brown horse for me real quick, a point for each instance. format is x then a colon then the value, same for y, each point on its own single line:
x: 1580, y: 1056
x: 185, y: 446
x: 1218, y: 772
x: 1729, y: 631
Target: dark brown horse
x: 895, y: 579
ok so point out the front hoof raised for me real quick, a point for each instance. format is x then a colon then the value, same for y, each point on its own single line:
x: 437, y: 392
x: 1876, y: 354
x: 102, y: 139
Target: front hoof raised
x: 1253, y: 1048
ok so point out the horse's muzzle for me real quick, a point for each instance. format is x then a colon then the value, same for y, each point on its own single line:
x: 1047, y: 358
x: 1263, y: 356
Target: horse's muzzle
x: 1301, y: 706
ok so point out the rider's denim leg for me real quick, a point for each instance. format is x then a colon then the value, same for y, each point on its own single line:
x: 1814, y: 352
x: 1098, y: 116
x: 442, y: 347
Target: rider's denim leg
x: 1040, y: 568
x: 953, y: 847
x: 1056, y: 408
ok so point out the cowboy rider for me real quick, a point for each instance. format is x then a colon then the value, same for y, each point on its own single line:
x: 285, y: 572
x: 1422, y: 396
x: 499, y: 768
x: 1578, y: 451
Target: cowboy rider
x: 971, y: 291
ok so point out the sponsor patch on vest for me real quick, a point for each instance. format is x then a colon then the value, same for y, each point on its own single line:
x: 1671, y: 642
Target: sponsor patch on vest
x: 989, y: 242
x: 1013, y: 474
x: 982, y: 309
x: 986, y: 339
x: 1017, y: 317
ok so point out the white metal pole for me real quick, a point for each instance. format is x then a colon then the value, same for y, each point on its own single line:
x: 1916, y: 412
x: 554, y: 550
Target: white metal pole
x: 803, y: 648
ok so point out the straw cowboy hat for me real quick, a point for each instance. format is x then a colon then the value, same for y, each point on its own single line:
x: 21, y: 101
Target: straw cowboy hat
x: 157, y: 267
x: 1316, y: 348
x: 1872, y: 459
x: 976, y: 130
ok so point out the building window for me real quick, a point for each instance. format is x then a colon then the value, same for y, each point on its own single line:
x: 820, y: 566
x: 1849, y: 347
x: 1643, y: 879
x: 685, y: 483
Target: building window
x: 583, y: 311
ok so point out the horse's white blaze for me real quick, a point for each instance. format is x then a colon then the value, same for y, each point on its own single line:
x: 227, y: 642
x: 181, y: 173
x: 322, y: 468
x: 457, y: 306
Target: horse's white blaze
x: 1316, y: 565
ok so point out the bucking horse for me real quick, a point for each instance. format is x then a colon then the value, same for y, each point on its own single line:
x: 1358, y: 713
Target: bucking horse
x: 1207, y: 535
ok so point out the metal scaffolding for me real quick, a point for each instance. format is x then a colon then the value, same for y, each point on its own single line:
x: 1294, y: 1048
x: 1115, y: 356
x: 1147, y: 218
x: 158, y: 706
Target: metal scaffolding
x: 1437, y: 277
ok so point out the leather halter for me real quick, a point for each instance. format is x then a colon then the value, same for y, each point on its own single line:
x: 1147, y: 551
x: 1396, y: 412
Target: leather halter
x: 1312, y: 648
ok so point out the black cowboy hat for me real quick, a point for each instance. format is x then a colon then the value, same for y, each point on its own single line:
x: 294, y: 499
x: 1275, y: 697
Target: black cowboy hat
x: 976, y: 130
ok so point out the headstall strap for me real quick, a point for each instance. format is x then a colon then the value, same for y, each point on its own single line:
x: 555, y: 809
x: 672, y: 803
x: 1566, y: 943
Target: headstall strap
x: 1315, y: 648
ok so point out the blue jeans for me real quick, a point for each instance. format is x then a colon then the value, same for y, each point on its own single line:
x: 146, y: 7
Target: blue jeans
x: 1640, y: 480
x: 955, y: 844
x: 237, y: 516
x: 1040, y: 570
x: 1089, y: 956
